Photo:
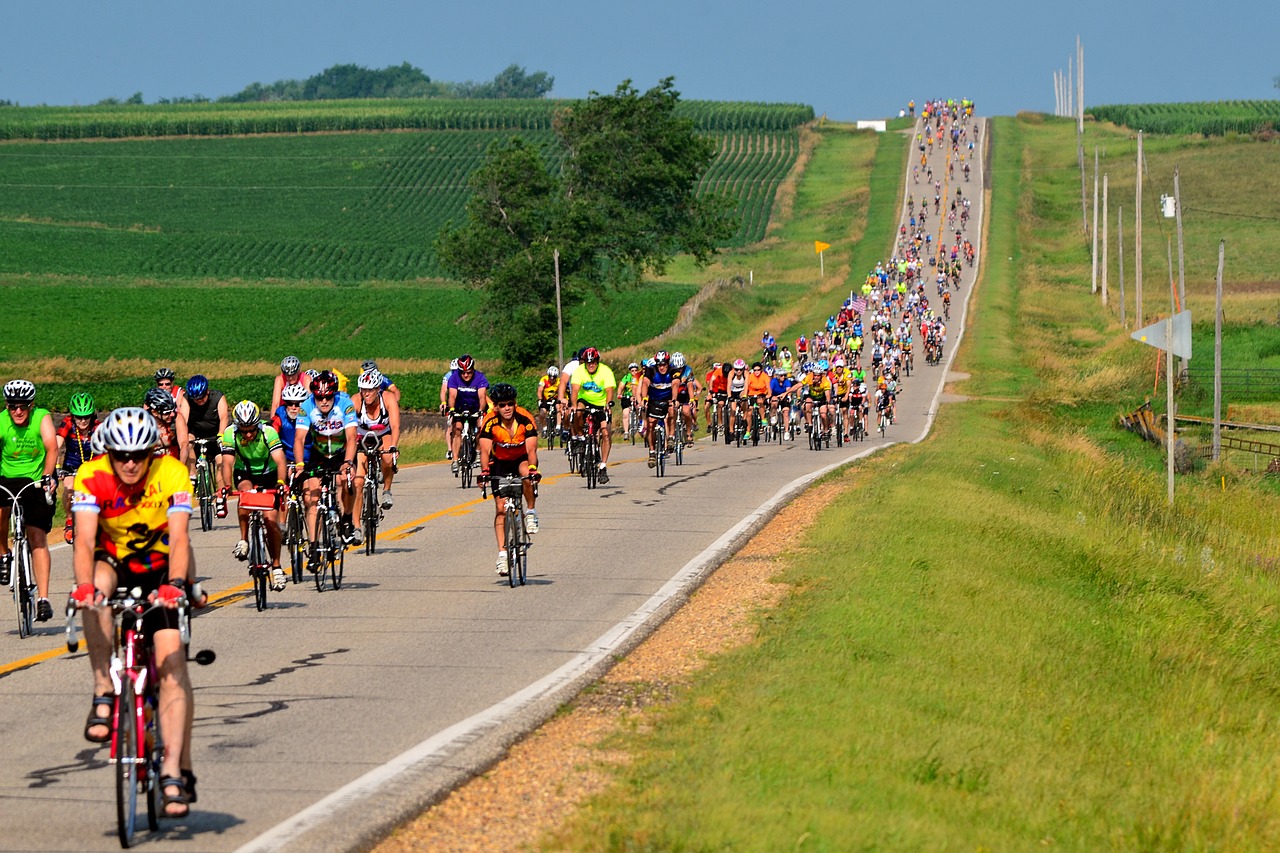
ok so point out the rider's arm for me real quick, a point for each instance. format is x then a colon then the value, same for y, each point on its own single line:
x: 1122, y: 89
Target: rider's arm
x: 184, y: 438
x: 300, y: 441
x: 223, y: 417
x: 349, y: 446
x: 277, y: 387
x: 531, y: 450
x: 282, y: 465
x: 392, y: 405
x: 453, y: 398
x: 49, y: 436
x: 485, y: 445
x: 179, y: 547
x: 573, y: 395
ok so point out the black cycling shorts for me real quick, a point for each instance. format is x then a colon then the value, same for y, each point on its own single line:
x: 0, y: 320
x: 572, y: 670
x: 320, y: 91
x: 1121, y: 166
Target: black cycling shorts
x: 265, y: 480
x: 658, y: 408
x: 161, y: 618
x: 36, y: 512
x: 319, y: 464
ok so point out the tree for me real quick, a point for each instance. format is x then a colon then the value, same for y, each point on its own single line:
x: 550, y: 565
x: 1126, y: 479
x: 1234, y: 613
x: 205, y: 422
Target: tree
x: 511, y: 82
x: 624, y: 205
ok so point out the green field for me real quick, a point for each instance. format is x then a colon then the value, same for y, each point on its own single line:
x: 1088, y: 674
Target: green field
x: 1211, y: 118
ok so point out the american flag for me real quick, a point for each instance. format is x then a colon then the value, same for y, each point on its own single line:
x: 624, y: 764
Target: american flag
x: 859, y: 305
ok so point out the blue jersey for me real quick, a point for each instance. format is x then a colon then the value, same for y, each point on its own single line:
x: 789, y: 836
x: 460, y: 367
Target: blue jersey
x: 780, y: 386
x: 328, y: 432
x: 468, y: 393
x: 659, y: 384
x: 287, y: 429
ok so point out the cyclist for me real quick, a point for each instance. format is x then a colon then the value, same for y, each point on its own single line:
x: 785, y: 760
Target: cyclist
x: 290, y: 374
x: 207, y: 418
x: 332, y: 419
x: 377, y: 414
x: 131, y: 514
x: 168, y: 382
x: 468, y: 400
x: 171, y: 424
x: 444, y: 402
x: 285, y: 421
x: 28, y: 452
x: 508, y: 442
x: 548, y: 386
x: 758, y: 390
x: 627, y: 389
x: 253, y: 458
x: 858, y: 404
x: 816, y: 388
x: 785, y: 360
x: 769, y: 348
x: 687, y: 393
x: 841, y: 385
x: 591, y: 389
x: 74, y: 437
x: 715, y: 385
x: 737, y: 386
x: 781, y: 390
x: 658, y: 388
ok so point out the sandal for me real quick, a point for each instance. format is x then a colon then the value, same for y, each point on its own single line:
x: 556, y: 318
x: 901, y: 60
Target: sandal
x: 182, y: 798
x: 190, y: 778
x: 95, y: 720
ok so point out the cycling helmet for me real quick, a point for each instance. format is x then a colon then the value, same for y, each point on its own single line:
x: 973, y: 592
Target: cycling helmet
x: 677, y: 360
x: 633, y: 366
x: 768, y: 371
x: 591, y: 355
x: 127, y: 430
x: 325, y: 384
x: 647, y: 363
x: 290, y: 365
x: 247, y: 415
x: 503, y: 392
x: 294, y: 393
x: 159, y: 401
x: 197, y: 386
x: 739, y: 364
x: 453, y: 365
x: 165, y: 373
x: 19, y: 391
x: 368, y: 364
x: 824, y: 365
x: 370, y: 379
x: 716, y: 365
x: 466, y: 362
x: 95, y: 442
x: 81, y: 405
x: 661, y: 357
x: 553, y: 371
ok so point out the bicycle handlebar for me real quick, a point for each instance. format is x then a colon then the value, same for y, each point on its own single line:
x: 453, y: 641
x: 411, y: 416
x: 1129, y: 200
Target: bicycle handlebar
x: 48, y: 490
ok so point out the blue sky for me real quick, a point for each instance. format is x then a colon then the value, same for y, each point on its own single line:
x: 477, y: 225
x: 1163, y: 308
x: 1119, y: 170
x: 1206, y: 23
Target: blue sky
x: 849, y: 60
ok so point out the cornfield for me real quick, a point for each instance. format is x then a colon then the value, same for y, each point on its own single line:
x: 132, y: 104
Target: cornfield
x: 1209, y: 118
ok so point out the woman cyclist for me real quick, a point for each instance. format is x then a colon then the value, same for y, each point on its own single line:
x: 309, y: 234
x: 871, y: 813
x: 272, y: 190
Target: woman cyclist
x: 377, y: 414
x: 171, y: 424
x: 290, y: 374
x: 75, y: 435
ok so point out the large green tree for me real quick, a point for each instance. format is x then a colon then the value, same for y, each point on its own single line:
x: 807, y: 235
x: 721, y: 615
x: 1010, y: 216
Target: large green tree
x: 623, y: 205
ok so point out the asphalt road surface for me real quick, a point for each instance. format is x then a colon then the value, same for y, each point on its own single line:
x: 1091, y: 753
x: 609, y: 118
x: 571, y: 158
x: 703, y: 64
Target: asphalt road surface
x: 332, y: 715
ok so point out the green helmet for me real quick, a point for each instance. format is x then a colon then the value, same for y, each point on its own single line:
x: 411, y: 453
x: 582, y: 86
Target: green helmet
x: 82, y: 405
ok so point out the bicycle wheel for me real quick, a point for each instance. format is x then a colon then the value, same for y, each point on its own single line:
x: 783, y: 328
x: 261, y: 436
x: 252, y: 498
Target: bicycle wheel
x: 520, y: 565
x: 714, y: 424
x: 660, y: 447
x: 591, y: 462
x: 204, y: 485
x: 297, y: 543
x: 513, y: 519
x: 155, y: 754
x: 369, y: 515
x: 257, y: 561
x: 324, y: 546
x: 23, y: 593
x: 839, y: 427
x: 755, y: 427
x: 680, y: 438
x: 338, y: 563
x: 468, y: 457
x: 126, y: 713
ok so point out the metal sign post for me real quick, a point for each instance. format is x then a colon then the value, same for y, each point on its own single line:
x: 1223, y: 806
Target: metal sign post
x: 1174, y: 337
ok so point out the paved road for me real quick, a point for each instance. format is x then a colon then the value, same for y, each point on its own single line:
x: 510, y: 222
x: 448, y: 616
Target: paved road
x: 332, y: 714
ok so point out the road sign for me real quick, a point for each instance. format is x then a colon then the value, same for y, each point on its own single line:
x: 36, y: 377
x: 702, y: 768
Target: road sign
x: 1179, y: 342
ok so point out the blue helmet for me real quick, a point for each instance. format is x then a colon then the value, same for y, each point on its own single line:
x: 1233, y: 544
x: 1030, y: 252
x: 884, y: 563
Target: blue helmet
x: 197, y: 386
x: 824, y: 365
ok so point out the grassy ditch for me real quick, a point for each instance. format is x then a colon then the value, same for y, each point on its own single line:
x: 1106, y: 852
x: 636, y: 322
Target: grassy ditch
x: 1002, y: 637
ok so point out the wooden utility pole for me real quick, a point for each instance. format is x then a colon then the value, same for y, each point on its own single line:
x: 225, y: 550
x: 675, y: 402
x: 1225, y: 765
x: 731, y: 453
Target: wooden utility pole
x: 1071, y: 104
x: 1095, y: 220
x: 1177, y: 212
x: 1080, y: 98
x: 1137, y: 238
x: 1217, y: 358
x: 1106, y: 248
x: 559, y: 312
x: 1120, y: 256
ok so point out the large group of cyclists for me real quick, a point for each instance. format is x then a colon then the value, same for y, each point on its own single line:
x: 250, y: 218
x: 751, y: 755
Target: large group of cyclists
x: 314, y: 471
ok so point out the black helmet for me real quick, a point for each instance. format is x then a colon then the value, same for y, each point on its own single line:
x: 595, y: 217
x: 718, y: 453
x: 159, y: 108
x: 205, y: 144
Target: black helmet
x: 503, y: 392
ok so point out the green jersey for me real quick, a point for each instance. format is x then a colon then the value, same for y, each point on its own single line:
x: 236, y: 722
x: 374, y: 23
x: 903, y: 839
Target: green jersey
x: 22, y: 451
x: 252, y: 456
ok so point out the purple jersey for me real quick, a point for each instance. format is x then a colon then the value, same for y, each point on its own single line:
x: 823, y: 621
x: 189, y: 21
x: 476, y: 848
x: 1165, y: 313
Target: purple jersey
x: 468, y: 398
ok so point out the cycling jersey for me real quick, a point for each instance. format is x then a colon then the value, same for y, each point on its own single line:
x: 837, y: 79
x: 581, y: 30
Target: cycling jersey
x: 816, y: 388
x: 629, y: 385
x: 379, y: 424
x: 547, y: 388
x: 22, y: 449
x: 468, y: 393
x: 75, y: 443
x: 716, y: 381
x: 202, y: 418
x: 133, y: 521
x: 593, y: 388
x: 253, y: 456
x: 840, y: 381
x: 287, y: 428
x: 757, y: 384
x: 329, y: 430
x: 168, y: 438
x: 509, y: 441
x: 778, y: 387
x: 737, y: 383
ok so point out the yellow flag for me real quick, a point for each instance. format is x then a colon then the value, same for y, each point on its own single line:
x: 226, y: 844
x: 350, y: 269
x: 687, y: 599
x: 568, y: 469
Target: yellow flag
x: 819, y: 247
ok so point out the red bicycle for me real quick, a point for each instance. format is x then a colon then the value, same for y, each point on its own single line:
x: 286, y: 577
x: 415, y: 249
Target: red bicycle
x: 137, y: 743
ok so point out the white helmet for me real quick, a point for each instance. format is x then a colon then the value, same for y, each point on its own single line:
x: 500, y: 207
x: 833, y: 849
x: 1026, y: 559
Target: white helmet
x: 453, y: 365
x: 128, y: 429
x: 677, y: 360
x: 370, y: 379
x: 295, y: 393
x: 96, y: 447
x: 247, y: 414
x: 553, y: 371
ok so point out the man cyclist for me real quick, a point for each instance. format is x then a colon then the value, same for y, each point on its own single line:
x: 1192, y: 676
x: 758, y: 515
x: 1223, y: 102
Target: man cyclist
x: 508, y: 442
x: 28, y: 453
x: 781, y: 390
x: 468, y: 400
x: 132, y: 511
x: 816, y: 389
x: 658, y: 389
x: 686, y: 394
x: 715, y: 386
x: 330, y: 420
x: 629, y: 388
x: 290, y: 375
x: 207, y: 418
x: 170, y: 422
x: 548, y: 387
x: 74, y: 435
x: 769, y: 348
x: 591, y: 388
x: 167, y: 382
x: 253, y: 458
x: 378, y: 415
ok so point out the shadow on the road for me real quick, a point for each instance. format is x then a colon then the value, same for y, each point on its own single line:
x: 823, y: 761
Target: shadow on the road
x: 192, y: 826
x: 86, y: 759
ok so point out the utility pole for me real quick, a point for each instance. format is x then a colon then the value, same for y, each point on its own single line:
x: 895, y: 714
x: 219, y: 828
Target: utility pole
x: 1095, y: 220
x: 559, y: 313
x: 1137, y: 227
x: 1177, y: 211
x: 1120, y: 256
x: 1106, y: 247
x: 1080, y: 99
x: 1217, y: 358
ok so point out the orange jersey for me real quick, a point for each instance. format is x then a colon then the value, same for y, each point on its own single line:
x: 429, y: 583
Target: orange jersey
x: 508, y: 442
x: 716, y: 382
x: 758, y: 384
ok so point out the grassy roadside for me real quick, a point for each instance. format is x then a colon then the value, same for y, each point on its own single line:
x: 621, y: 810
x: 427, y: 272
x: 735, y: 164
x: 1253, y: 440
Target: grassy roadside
x: 1043, y: 654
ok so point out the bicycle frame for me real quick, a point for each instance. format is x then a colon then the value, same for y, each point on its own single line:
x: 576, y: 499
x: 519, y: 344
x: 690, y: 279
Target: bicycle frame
x: 370, y: 508
x: 259, y: 502
x: 206, y: 482
x: 515, y: 537
x: 22, y: 575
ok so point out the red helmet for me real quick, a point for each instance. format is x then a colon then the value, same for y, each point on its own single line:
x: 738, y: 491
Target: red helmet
x: 661, y: 357
x: 325, y: 384
x: 591, y: 355
x: 466, y: 362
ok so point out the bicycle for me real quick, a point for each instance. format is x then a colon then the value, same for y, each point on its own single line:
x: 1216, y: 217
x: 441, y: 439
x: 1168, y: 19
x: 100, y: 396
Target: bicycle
x: 467, y: 454
x: 884, y: 421
x: 137, y: 744
x: 839, y: 424
x: 550, y: 424
x: 22, y: 578
x: 660, y: 446
x: 681, y: 435
x: 589, y: 452
x: 713, y: 423
x: 293, y: 533
x: 635, y: 422
x: 206, y: 483
x: 329, y: 545
x: 515, y: 537
x: 259, y: 502
x: 757, y: 422
x: 371, y: 510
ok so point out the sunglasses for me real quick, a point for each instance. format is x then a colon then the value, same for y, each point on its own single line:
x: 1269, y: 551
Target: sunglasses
x: 129, y: 455
x: 504, y: 402
x: 293, y: 405
x: 164, y: 383
x: 16, y: 406
x: 320, y: 397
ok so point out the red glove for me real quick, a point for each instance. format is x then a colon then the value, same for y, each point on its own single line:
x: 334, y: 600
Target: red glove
x: 84, y: 595
x: 169, y: 592
x: 484, y: 473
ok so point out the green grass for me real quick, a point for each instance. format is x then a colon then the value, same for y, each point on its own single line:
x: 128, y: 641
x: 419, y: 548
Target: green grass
x: 1207, y: 117
x: 1047, y: 656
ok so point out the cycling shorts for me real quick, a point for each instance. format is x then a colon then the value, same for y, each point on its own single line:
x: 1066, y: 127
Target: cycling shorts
x: 658, y: 408
x: 266, y: 480
x: 506, y: 467
x: 159, y: 619
x: 36, y: 512
x: 319, y: 465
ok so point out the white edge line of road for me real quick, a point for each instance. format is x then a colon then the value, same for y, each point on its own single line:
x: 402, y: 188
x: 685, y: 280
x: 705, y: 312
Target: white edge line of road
x: 437, y: 750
